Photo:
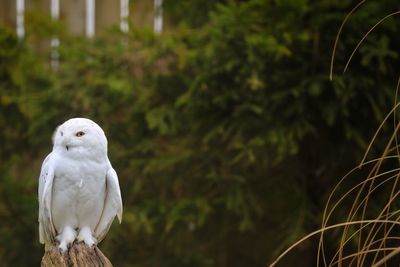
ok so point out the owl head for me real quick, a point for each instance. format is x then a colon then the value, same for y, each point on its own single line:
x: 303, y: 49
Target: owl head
x: 80, y: 136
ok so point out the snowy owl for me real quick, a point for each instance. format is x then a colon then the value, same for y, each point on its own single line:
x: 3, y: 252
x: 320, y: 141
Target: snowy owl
x: 79, y: 193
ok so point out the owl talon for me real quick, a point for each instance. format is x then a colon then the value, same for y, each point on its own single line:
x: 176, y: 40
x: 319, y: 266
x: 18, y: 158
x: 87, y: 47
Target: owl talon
x: 62, y: 248
x: 85, y: 235
x: 66, y: 238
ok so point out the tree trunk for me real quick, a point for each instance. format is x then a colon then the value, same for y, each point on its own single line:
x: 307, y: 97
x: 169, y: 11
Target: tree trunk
x: 78, y: 255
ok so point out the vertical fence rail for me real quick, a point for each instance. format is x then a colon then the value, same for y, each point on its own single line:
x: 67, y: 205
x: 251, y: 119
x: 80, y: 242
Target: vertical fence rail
x: 124, y: 11
x: 158, y: 18
x: 55, y: 41
x: 90, y: 18
x: 20, y: 27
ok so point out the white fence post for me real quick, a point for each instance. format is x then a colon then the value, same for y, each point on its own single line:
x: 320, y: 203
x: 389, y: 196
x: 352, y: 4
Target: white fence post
x: 158, y: 18
x: 20, y: 6
x: 90, y: 18
x: 55, y: 41
x: 124, y: 11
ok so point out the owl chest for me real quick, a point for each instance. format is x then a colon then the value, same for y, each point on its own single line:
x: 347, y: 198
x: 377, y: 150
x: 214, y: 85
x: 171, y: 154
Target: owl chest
x: 79, y: 179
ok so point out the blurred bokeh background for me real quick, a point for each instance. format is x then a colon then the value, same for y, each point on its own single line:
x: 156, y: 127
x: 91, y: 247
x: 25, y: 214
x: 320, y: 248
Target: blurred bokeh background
x: 223, y: 125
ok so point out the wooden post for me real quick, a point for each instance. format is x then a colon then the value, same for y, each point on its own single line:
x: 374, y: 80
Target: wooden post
x: 78, y: 255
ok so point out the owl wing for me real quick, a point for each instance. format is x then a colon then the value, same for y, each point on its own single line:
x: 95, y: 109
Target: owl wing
x: 46, y: 227
x: 112, y: 205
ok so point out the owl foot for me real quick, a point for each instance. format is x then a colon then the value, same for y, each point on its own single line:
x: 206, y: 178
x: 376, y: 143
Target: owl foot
x: 85, y: 235
x: 66, y: 238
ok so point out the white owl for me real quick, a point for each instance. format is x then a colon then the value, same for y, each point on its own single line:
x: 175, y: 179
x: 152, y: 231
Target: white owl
x: 79, y: 193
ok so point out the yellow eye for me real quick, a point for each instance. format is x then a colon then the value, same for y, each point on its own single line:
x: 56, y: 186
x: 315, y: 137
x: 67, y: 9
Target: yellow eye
x: 80, y: 134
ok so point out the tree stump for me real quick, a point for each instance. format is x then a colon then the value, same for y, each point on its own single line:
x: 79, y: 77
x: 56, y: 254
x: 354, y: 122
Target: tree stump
x: 78, y: 255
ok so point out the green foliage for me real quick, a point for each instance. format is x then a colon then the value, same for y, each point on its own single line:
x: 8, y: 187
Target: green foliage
x: 194, y: 13
x: 227, y: 137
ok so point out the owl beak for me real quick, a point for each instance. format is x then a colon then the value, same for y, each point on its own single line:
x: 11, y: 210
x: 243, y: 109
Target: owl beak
x: 67, y: 144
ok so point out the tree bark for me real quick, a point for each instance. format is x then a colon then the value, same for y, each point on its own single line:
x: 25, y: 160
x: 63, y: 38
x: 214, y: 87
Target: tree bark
x: 78, y: 255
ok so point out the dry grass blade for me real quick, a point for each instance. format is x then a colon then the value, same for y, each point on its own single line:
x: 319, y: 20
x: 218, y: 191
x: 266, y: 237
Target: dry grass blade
x: 387, y: 257
x: 366, y: 35
x: 338, y: 37
x: 275, y: 262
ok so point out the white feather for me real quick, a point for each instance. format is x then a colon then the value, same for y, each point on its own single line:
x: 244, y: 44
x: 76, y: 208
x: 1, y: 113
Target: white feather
x: 112, y: 205
x: 46, y: 228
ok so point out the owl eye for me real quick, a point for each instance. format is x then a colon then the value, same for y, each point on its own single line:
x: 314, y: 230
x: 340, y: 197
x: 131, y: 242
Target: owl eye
x: 80, y: 134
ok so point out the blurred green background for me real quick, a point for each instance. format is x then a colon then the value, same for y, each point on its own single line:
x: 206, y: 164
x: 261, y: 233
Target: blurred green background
x: 225, y: 130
